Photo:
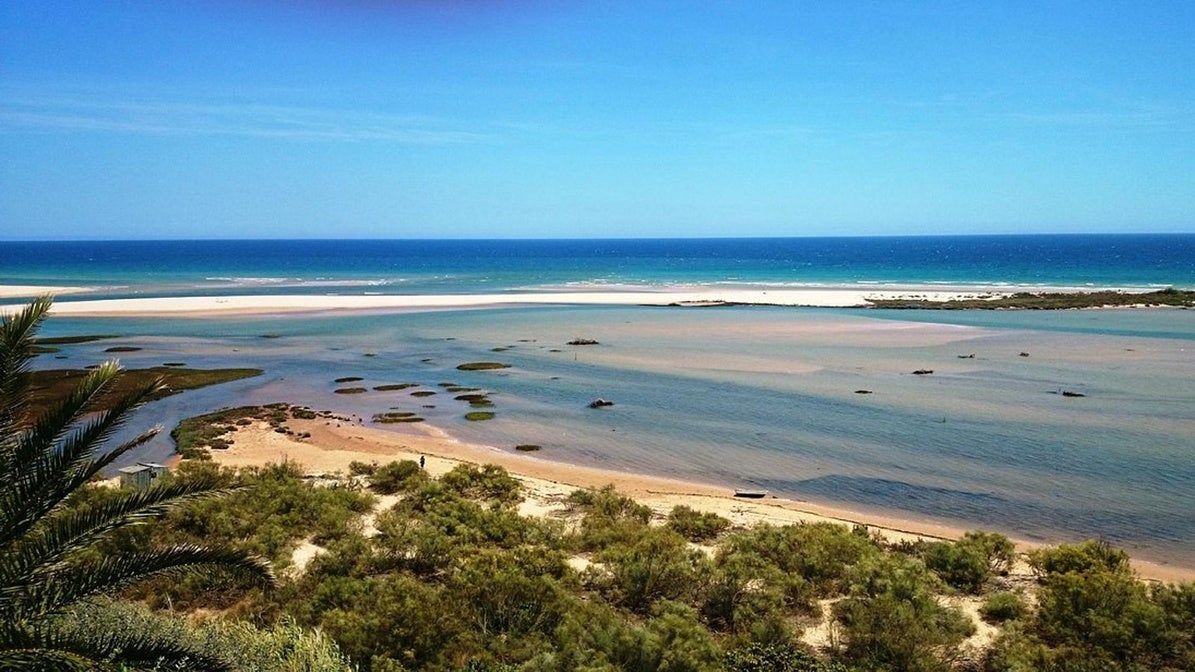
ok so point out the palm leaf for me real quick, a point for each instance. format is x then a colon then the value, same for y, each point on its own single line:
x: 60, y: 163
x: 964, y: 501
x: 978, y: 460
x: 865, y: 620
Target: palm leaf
x: 73, y: 531
x: 70, y: 583
x: 80, y: 650
x: 16, y: 351
x: 42, y: 570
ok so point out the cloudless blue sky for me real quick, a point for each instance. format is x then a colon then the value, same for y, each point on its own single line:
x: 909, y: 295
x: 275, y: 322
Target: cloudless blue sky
x: 446, y: 119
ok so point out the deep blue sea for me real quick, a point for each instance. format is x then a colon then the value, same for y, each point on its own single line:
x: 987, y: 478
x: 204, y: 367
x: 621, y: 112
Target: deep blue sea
x: 738, y: 396
x: 148, y: 268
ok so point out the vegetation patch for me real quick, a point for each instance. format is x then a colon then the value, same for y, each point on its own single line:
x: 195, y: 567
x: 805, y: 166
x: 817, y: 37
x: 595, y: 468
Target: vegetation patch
x: 122, y: 348
x: 476, y: 400
x: 47, y: 385
x: 482, y: 366
x: 423, y: 393
x: 395, y: 387
x: 477, y: 416
x: 528, y: 447
x: 394, y: 417
x: 1002, y: 607
x: 348, y: 379
x: 455, y: 573
x: 71, y: 340
x: 194, y: 436
x: 350, y: 390
x: 1048, y: 301
x: 696, y: 526
x: 174, y: 364
x: 399, y: 476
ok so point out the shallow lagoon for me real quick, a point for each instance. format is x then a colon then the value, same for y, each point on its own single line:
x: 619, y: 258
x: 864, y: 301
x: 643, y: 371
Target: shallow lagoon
x: 766, y: 397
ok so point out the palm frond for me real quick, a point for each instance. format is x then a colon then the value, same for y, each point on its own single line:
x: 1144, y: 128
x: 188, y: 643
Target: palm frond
x: 71, y: 582
x: 146, y: 650
x: 32, y: 495
x: 16, y: 351
x: 73, y: 531
x: 45, y: 660
x: 46, y: 456
x: 54, y: 649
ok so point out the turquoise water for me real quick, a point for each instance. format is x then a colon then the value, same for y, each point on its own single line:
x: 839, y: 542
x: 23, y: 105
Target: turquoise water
x: 766, y: 397
x: 762, y: 397
x: 146, y: 268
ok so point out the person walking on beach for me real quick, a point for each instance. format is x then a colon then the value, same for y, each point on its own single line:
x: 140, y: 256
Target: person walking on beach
x: 422, y: 460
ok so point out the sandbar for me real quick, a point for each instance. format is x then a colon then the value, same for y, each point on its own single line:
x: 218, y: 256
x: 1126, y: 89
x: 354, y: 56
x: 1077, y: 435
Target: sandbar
x: 30, y: 291
x: 206, y: 306
x: 333, y: 444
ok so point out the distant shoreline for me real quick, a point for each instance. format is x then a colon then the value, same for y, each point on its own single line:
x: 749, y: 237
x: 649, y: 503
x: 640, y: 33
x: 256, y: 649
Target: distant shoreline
x: 701, y: 296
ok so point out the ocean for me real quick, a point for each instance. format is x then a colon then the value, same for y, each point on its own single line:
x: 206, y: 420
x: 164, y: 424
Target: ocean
x: 740, y: 396
x: 162, y: 268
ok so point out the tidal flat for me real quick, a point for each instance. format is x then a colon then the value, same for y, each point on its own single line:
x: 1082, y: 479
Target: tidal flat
x: 766, y: 398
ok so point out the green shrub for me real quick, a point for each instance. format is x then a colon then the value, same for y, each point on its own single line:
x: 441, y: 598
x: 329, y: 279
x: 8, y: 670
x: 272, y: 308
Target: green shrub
x: 609, y: 518
x: 655, y: 566
x: 1088, y: 556
x: 696, y: 526
x: 397, y: 476
x: 489, y: 482
x: 822, y: 554
x: 892, y: 618
x: 757, y: 657
x: 357, y: 468
x: 1003, y: 606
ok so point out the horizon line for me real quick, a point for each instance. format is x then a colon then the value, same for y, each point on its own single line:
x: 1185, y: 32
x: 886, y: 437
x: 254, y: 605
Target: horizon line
x: 603, y: 238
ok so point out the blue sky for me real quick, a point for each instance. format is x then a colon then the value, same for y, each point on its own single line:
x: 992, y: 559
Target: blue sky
x: 365, y: 118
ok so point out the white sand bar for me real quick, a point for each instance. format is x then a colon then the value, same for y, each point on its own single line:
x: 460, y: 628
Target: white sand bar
x: 264, y: 304
x: 30, y: 291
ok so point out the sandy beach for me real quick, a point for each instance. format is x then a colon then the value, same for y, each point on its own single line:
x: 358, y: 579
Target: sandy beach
x: 332, y: 445
x: 203, y: 306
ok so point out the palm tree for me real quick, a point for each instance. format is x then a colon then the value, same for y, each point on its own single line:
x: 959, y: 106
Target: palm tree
x: 45, y: 455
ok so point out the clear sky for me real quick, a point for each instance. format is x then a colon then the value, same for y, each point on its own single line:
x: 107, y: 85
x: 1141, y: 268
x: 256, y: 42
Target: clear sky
x: 445, y: 119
